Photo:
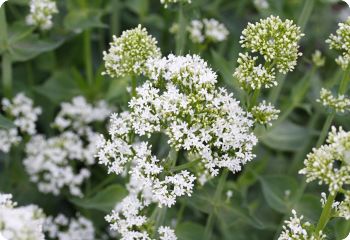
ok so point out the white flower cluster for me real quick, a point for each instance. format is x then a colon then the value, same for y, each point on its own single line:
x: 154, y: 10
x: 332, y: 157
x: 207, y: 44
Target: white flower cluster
x: 277, y: 42
x: 318, y: 59
x: 341, y: 42
x: 128, y: 221
x: 209, y: 30
x: 166, y: 3
x: 265, y: 113
x: 24, y: 115
x: 78, y: 114
x: 329, y: 164
x: 63, y: 228
x: 62, y: 162
x: 41, y: 12
x: 296, y: 229
x: 339, y: 104
x: 180, y: 100
x: 20, y: 223
x: 128, y: 53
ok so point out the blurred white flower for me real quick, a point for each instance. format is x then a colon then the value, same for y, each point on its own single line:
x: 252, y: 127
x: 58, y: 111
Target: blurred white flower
x: 41, y: 12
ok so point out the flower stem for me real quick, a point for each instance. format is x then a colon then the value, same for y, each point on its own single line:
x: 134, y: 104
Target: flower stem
x: 133, y: 85
x: 88, y: 56
x: 6, y: 57
x: 254, y: 99
x: 305, y: 13
x: 210, y: 220
x: 181, y: 33
x: 325, y: 215
x: 275, y: 92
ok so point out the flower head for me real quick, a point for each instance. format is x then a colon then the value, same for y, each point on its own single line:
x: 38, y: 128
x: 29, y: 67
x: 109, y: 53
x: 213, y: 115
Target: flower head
x: 41, y: 12
x: 296, y: 229
x: 276, y: 40
x: 341, y: 42
x: 265, y: 113
x: 252, y: 76
x: 129, y: 53
x: 209, y: 30
x: 63, y: 228
x: 18, y: 223
x: 339, y: 104
x: 329, y: 164
x: 318, y: 59
x: 166, y: 3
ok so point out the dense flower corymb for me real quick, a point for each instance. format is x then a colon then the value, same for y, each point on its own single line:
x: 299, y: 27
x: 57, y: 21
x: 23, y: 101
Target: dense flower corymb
x: 339, y: 104
x: 41, y: 12
x: 265, y: 113
x: 296, y: 229
x: 128, y: 53
x: 341, y: 42
x: 276, y: 40
x: 209, y: 30
x: 20, y: 223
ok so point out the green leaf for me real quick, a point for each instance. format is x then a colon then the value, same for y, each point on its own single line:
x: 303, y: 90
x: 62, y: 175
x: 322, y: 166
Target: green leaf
x: 5, y: 123
x: 59, y: 87
x: 279, y: 192
x: 286, y: 136
x: 81, y: 19
x: 105, y: 200
x: 189, y: 230
x: 309, y: 206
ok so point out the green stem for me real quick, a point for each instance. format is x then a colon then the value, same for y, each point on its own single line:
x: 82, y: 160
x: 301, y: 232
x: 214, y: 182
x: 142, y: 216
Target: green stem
x: 327, y: 124
x: 254, y: 99
x: 210, y: 221
x: 275, y: 92
x: 325, y: 215
x: 6, y: 57
x: 305, y: 13
x: 115, y: 20
x: 185, y: 165
x: 181, y: 33
x: 133, y: 85
x: 88, y: 56
x: 343, y: 87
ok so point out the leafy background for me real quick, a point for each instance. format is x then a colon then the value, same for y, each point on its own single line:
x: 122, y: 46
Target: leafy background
x: 67, y: 61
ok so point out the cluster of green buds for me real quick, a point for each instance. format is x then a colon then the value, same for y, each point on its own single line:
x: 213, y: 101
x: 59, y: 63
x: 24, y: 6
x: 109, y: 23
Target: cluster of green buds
x: 317, y: 59
x: 129, y: 53
x: 166, y: 3
x: 265, y: 113
x: 330, y: 165
x: 339, y: 104
x: 277, y: 42
x: 341, y: 42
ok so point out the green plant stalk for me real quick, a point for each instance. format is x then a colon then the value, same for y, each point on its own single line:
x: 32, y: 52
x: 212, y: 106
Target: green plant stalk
x: 210, y: 221
x: 275, y: 92
x: 115, y: 20
x: 88, y: 56
x: 6, y: 57
x: 325, y: 215
x: 181, y: 33
x: 254, y: 99
x: 133, y: 85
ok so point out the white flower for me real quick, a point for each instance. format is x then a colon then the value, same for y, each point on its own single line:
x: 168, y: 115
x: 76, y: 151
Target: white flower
x: 263, y: 4
x: 166, y: 233
x: 209, y: 30
x: 41, y: 12
x: 19, y: 223
x: 265, y: 113
x: 321, y: 164
x: 63, y: 228
x: 339, y: 103
x: 129, y: 53
x: 8, y: 138
x: 54, y: 163
x: 78, y: 114
x: 296, y: 229
x: 22, y: 110
x: 166, y: 3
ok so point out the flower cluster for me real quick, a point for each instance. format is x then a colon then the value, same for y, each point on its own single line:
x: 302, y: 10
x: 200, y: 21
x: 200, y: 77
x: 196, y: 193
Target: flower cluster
x: 180, y: 100
x: 18, y: 223
x: 329, y: 164
x: 63, y: 228
x: 277, y: 42
x: 62, y: 162
x: 341, y: 42
x: 129, y: 52
x: 166, y: 3
x: 296, y: 229
x: 265, y: 113
x: 24, y: 115
x: 339, y: 104
x: 41, y: 12
x: 318, y: 59
x: 209, y: 30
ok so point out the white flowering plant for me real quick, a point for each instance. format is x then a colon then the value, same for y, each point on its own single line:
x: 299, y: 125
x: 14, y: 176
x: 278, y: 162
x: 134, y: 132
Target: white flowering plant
x: 174, y: 120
